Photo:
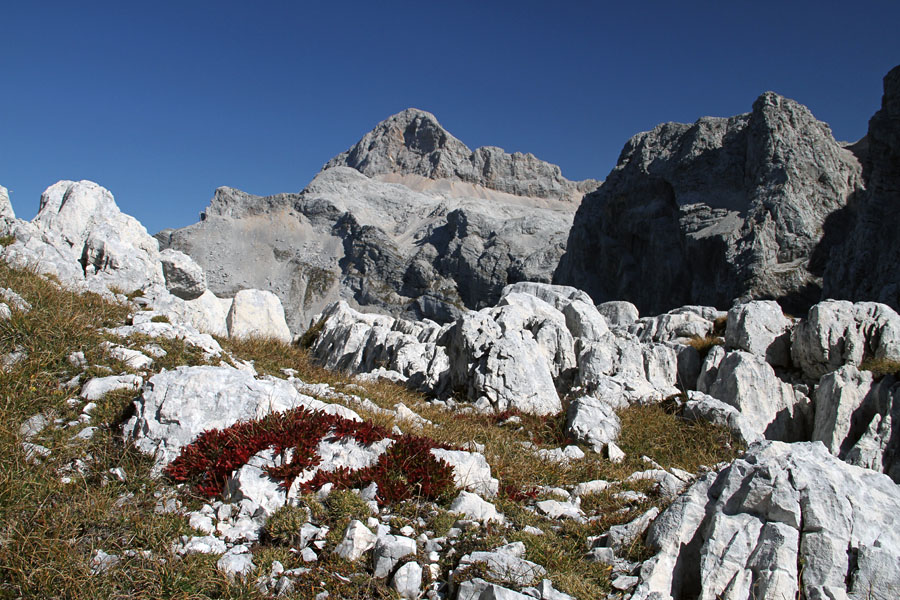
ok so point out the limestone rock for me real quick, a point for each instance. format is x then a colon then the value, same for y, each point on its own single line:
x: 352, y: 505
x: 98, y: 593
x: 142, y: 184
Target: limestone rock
x: 388, y: 551
x: 470, y: 471
x: 749, y: 384
x: 358, y: 540
x: 257, y: 313
x: 744, y: 532
x: 720, y: 209
x: 472, y: 506
x: 407, y: 581
x: 98, y: 387
x: 184, y: 277
x: 592, y: 421
x: 176, y: 406
x: 619, y: 313
x: 357, y: 342
x: 6, y: 209
x: 699, y: 406
x: 506, y: 366
x: 855, y: 419
x: 760, y: 328
x: 838, y: 332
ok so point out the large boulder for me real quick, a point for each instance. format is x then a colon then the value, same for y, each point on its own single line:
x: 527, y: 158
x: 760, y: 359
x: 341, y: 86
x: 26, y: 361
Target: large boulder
x: 356, y: 342
x: 838, y: 332
x: 184, y: 277
x: 176, y: 406
x: 748, y: 383
x: 760, y: 328
x: 784, y: 521
x: 257, y: 313
x: 506, y: 366
x: 720, y: 209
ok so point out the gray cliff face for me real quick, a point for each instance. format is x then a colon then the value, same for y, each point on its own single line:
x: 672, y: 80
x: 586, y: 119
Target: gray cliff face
x: 414, y: 143
x: 865, y: 267
x: 414, y: 227
x: 721, y: 209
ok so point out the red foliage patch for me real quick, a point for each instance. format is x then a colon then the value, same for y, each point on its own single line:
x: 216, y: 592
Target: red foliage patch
x: 406, y: 470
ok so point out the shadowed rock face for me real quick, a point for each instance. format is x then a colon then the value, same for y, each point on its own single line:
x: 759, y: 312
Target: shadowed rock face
x: 409, y: 221
x: 865, y: 266
x: 721, y: 209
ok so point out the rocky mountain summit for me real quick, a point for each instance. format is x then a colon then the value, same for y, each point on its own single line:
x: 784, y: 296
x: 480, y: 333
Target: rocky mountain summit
x: 408, y: 221
x: 720, y: 209
x: 414, y: 143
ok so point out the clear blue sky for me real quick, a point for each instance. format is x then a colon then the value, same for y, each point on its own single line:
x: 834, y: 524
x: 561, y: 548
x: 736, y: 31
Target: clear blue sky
x: 162, y: 102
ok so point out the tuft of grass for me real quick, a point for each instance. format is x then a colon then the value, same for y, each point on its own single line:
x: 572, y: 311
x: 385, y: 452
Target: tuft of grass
x: 7, y: 240
x: 881, y: 367
x: 283, y: 527
x: 310, y: 336
x: 671, y: 441
x: 719, y: 326
x: 159, y: 319
x: 704, y: 344
x: 341, y: 505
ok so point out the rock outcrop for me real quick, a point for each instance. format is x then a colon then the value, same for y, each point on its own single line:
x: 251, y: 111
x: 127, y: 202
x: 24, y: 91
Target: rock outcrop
x: 721, y: 209
x: 784, y: 521
x: 864, y: 266
x: 81, y: 238
x: 409, y: 221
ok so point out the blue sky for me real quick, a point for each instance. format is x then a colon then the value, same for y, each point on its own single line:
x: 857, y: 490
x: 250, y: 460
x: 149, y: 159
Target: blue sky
x: 163, y: 102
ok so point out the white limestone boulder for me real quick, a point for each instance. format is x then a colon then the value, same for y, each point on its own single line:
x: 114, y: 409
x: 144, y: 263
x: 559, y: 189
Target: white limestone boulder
x: 176, y: 406
x: 748, y: 383
x: 760, y: 328
x: 257, y: 313
x: 508, y: 367
x: 184, y: 277
x: 619, y: 313
x: 784, y: 521
x: 471, y: 471
x: 837, y: 332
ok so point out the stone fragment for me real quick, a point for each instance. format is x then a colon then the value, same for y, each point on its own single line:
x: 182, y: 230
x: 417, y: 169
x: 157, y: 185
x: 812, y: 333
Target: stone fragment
x: 472, y: 506
x: 407, y: 581
x: 358, y: 540
x: 184, y: 277
x: 388, y: 551
x: 98, y: 387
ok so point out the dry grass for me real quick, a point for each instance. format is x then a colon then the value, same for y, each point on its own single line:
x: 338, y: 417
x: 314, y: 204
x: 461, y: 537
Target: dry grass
x: 704, y: 344
x: 881, y: 367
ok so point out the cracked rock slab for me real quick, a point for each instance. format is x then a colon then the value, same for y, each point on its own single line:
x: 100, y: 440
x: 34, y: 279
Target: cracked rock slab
x: 784, y: 521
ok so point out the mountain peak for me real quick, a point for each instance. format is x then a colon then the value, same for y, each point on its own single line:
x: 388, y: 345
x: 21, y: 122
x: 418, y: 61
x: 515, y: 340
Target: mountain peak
x: 413, y: 142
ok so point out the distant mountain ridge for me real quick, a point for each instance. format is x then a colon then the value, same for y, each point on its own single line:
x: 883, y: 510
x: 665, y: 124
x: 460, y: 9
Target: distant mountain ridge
x: 407, y: 221
x: 412, y: 142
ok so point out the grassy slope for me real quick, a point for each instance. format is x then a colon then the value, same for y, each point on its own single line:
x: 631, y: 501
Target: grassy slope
x: 49, y: 530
